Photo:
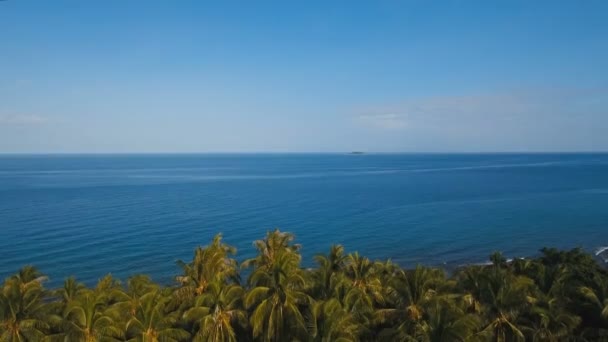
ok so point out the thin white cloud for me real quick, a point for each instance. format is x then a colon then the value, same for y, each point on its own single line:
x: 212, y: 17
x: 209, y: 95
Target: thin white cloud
x: 22, y: 82
x: 388, y: 121
x: 520, y: 120
x: 490, y: 110
x: 22, y: 119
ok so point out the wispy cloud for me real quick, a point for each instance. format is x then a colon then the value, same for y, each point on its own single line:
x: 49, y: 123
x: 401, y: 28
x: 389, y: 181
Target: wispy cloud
x: 486, y: 110
x: 520, y: 120
x: 388, y: 121
x: 22, y: 119
x: 22, y: 83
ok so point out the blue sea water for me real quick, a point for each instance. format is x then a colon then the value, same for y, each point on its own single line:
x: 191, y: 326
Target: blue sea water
x: 90, y: 215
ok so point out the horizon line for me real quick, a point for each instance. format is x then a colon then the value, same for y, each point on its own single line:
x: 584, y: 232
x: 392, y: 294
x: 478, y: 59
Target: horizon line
x: 356, y: 152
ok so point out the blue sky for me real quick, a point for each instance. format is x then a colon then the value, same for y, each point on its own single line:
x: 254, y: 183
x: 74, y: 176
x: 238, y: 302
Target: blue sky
x: 285, y: 76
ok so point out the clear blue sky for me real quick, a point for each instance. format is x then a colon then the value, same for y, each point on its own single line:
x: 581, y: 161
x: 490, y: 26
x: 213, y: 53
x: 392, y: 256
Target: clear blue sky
x: 287, y: 76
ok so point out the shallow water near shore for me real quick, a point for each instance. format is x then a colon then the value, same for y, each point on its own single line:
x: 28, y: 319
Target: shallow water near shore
x: 89, y: 215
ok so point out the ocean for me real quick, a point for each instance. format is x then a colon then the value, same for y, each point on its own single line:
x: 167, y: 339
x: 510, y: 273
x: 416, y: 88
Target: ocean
x: 89, y: 215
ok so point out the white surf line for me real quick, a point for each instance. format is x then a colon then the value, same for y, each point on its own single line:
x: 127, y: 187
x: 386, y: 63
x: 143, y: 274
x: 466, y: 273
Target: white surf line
x: 601, y: 250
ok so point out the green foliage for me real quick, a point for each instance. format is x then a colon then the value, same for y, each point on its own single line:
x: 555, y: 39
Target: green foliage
x: 559, y: 296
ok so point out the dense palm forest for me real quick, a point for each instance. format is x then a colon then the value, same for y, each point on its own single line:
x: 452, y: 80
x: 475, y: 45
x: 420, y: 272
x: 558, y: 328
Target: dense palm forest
x: 559, y: 296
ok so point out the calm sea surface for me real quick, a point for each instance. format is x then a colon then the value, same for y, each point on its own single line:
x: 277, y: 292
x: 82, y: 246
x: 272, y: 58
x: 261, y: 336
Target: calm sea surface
x: 92, y: 214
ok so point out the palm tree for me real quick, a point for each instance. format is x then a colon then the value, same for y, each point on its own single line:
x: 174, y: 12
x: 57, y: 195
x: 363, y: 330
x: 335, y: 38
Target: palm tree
x: 56, y: 307
x: 548, y: 321
x: 151, y: 322
x: 409, y: 292
x: 498, y: 260
x: 504, y: 296
x: 329, y: 322
x: 470, y: 285
x: 271, y: 248
x: 362, y: 286
x: 29, y: 276
x: 330, y: 267
x: 21, y: 307
x: 218, y: 312
x: 417, y: 288
x: 210, y: 263
x: 127, y: 302
x: 445, y: 321
x: 86, y: 321
x: 276, y: 299
x: 597, y: 294
x: 70, y: 290
x: 560, y: 296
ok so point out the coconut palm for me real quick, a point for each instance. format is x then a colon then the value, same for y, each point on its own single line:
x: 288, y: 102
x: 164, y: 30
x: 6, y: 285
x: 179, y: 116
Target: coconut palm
x: 21, y: 307
x: 597, y: 294
x: 361, y: 285
x: 210, y: 263
x: 329, y: 321
x: 416, y: 288
x: 85, y: 319
x: 504, y: 297
x: 70, y: 290
x: 409, y: 292
x: 559, y: 296
x: 548, y: 321
x: 271, y: 248
x: 218, y: 312
x: 152, y: 323
x: 127, y: 302
x: 105, y: 287
x: 330, y: 268
x: 445, y: 321
x: 470, y: 285
x: 63, y: 299
x: 29, y: 276
x: 276, y: 299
